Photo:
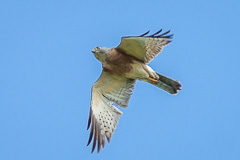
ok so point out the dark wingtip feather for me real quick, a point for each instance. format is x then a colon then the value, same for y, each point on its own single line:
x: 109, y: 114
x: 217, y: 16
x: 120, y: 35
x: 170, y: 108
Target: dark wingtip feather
x: 103, y: 141
x: 162, y: 35
x: 99, y: 140
x: 95, y: 138
x: 95, y: 134
x: 156, y: 33
x: 99, y: 148
x: 91, y: 134
x: 89, y: 118
x: 168, y: 36
x: 144, y: 33
x: 166, y: 32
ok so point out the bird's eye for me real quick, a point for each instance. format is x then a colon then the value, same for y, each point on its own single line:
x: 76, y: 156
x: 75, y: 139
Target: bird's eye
x: 98, y: 47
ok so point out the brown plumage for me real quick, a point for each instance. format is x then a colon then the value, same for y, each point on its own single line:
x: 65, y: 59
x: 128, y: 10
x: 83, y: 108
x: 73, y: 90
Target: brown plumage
x: 122, y: 66
x: 118, y: 62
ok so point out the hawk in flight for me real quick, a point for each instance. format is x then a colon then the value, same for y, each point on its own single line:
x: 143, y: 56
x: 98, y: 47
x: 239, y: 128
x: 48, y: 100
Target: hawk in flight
x: 122, y: 66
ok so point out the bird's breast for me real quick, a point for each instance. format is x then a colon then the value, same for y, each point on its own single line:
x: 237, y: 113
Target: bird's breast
x: 119, y: 63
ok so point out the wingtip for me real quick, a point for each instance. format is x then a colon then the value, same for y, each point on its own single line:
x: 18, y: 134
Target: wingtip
x: 155, y: 33
x: 90, y: 118
x: 98, y: 150
x: 170, y: 36
x: 90, y: 136
x: 144, y: 33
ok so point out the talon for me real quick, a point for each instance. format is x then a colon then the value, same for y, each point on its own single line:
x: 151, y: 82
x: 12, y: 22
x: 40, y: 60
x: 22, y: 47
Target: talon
x: 152, y: 79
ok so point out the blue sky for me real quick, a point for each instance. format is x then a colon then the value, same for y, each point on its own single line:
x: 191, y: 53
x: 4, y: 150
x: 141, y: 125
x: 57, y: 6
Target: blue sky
x: 47, y: 70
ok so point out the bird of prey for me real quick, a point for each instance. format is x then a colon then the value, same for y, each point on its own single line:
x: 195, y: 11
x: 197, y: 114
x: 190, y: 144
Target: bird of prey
x: 122, y: 66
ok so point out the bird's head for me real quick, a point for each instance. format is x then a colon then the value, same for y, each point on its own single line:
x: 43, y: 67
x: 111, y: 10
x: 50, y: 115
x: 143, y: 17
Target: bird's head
x: 101, y: 52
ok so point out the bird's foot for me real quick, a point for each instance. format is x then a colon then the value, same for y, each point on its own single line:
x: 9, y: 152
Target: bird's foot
x: 152, y: 80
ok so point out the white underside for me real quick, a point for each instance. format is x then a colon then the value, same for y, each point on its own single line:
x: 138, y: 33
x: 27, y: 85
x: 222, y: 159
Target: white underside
x: 141, y: 71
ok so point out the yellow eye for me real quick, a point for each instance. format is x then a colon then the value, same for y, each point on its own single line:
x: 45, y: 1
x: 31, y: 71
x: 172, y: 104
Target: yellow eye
x: 98, y: 47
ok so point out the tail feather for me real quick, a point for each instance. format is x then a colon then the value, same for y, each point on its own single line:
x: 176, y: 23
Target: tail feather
x: 170, y: 85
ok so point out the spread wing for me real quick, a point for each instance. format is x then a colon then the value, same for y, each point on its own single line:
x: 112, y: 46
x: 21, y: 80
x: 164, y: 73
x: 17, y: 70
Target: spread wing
x: 144, y: 48
x: 109, y: 90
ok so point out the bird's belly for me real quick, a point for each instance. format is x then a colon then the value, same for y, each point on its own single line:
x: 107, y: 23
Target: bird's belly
x: 133, y: 70
x: 137, y: 72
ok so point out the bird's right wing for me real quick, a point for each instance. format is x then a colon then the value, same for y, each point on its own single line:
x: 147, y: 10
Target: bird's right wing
x: 110, y: 89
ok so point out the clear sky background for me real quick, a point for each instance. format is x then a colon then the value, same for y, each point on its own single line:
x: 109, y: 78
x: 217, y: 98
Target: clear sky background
x: 47, y: 71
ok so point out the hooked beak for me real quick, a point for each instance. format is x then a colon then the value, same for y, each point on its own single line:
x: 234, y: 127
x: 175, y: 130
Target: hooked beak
x: 93, y: 51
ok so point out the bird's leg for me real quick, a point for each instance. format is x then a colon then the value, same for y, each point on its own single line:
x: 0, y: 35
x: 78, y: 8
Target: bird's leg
x: 153, y: 77
x: 152, y: 80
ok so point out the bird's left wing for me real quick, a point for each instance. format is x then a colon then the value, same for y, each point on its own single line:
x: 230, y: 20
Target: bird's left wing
x: 109, y: 89
x: 143, y: 47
